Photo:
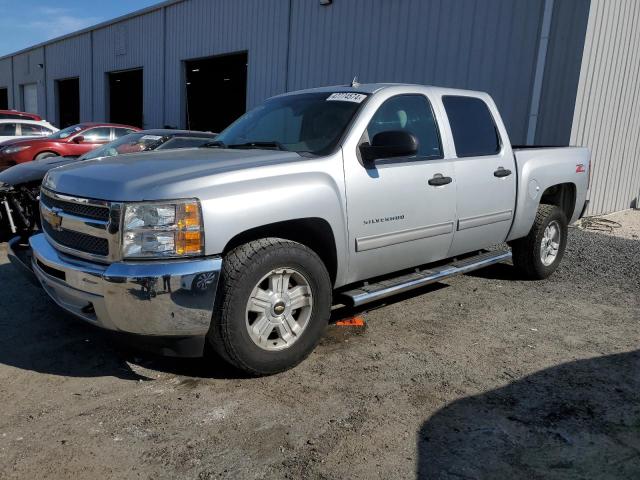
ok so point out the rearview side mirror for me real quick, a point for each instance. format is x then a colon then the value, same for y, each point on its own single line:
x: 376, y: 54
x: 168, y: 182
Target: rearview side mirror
x: 392, y: 143
x: 78, y: 139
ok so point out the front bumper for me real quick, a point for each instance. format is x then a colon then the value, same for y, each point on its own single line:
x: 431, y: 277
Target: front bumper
x: 154, y: 298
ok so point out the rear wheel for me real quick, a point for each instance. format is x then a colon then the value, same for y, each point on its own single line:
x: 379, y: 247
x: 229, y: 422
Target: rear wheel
x: 539, y: 253
x: 43, y: 155
x: 273, y: 305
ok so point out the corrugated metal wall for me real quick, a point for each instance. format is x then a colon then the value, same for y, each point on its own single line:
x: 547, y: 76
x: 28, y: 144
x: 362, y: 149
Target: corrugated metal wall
x: 28, y: 68
x: 197, y: 29
x: 68, y: 59
x: 5, y: 77
x: 607, y: 112
x: 562, y: 71
x: 488, y: 45
x: 133, y: 43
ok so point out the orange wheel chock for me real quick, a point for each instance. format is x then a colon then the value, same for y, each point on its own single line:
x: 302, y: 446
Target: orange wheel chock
x: 351, y: 322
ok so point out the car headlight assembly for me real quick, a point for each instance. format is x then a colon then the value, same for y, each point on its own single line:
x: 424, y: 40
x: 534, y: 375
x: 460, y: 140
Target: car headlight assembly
x: 16, y: 149
x: 162, y: 229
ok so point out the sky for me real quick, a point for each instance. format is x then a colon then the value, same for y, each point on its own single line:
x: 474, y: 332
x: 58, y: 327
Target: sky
x: 24, y: 23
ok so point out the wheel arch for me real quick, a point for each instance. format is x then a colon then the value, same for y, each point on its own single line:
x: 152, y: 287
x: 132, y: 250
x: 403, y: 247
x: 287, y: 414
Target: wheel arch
x: 562, y: 195
x: 313, y: 232
x: 46, y: 150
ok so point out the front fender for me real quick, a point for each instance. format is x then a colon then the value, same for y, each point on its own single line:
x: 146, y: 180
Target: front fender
x: 235, y: 208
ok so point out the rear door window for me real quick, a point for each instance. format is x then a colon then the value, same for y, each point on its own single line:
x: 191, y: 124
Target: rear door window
x: 33, y: 130
x: 8, y: 129
x: 120, y: 132
x: 412, y: 113
x: 474, y: 132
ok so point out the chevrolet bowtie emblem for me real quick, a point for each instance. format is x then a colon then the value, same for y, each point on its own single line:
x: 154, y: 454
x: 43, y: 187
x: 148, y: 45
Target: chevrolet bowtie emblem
x: 53, y: 218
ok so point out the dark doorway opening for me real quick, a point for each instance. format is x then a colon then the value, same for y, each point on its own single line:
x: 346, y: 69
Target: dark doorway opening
x: 125, y: 97
x: 216, y: 91
x: 68, y: 102
x: 4, y: 99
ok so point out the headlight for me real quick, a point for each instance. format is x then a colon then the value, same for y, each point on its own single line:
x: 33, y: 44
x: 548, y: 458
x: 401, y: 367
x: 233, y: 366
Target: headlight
x: 15, y: 149
x: 167, y: 229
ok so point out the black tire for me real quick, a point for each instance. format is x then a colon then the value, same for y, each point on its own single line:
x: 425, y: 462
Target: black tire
x: 43, y: 155
x: 527, y: 256
x: 243, y: 267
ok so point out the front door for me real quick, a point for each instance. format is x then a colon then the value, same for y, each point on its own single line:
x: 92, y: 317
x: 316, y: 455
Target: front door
x: 396, y: 218
x: 91, y: 138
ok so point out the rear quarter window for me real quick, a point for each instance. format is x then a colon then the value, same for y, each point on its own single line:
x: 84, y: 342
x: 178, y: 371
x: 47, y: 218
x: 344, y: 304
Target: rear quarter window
x: 474, y: 132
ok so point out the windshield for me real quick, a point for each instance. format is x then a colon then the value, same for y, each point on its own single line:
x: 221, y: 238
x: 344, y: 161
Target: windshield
x: 66, y: 132
x: 308, y: 122
x: 132, y: 143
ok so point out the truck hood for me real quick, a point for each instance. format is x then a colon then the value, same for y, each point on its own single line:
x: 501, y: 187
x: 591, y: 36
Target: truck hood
x: 156, y: 175
x: 32, y: 171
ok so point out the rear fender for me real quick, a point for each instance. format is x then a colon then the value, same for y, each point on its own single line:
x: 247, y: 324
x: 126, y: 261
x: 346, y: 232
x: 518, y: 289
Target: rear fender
x: 540, y: 169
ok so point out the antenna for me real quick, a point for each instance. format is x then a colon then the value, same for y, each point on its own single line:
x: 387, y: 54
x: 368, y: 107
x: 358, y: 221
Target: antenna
x: 354, y: 82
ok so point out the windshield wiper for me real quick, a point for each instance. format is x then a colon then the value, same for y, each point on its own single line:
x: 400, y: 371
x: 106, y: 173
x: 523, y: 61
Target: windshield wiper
x: 214, y: 144
x: 259, y: 145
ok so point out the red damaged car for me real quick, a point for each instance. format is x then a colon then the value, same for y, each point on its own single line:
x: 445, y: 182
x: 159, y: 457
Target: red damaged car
x: 71, y: 141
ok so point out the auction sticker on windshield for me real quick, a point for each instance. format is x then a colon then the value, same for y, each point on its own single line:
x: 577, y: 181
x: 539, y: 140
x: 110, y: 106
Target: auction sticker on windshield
x: 346, y: 97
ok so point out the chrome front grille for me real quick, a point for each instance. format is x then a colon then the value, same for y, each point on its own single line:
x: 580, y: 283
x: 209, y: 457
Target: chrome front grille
x: 82, y: 227
x: 77, y: 241
x: 79, y: 209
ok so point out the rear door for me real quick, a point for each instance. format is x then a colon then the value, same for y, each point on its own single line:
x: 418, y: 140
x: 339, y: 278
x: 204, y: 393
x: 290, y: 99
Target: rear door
x: 484, y: 171
x: 396, y: 218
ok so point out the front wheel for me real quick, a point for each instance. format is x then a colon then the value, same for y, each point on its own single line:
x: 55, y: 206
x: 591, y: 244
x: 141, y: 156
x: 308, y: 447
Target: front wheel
x: 273, y: 305
x: 539, y: 253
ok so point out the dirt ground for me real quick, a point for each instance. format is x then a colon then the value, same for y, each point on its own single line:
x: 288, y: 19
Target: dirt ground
x: 482, y: 376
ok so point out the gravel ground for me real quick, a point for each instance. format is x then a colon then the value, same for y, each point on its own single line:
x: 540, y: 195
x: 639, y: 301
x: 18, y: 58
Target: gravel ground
x: 628, y: 224
x: 482, y: 376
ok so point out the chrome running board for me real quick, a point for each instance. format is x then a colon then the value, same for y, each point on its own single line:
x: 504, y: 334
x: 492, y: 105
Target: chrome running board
x: 393, y: 286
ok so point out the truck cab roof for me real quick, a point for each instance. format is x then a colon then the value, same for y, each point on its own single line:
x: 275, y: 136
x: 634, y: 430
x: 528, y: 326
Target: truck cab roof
x: 372, y: 88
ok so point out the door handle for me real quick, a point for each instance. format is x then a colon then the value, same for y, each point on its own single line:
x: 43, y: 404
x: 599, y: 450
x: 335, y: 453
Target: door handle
x: 501, y: 172
x: 438, y: 180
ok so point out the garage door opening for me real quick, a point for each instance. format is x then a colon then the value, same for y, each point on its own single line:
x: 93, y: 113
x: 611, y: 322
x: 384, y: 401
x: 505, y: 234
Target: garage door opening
x: 4, y: 99
x: 125, y: 97
x: 216, y: 91
x: 68, y: 102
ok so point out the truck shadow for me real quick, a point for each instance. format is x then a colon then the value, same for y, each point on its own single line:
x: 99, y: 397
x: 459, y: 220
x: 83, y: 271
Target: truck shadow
x: 499, y: 271
x: 577, y: 420
x: 39, y: 336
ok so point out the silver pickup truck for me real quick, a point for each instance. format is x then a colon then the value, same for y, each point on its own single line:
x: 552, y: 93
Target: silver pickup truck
x: 345, y: 194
